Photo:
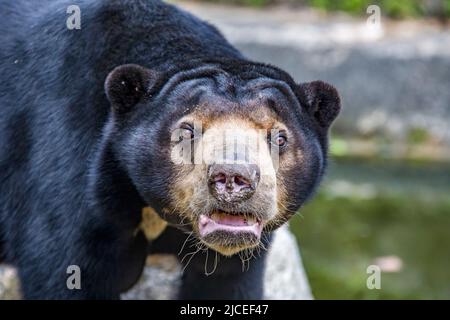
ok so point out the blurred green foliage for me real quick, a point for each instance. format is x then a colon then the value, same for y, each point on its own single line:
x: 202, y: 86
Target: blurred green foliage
x: 390, y: 8
x: 395, y: 9
x: 342, y: 233
x: 250, y: 3
x: 447, y: 8
x: 418, y: 135
x: 255, y: 3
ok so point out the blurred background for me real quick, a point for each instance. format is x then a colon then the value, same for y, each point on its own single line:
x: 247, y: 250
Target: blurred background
x: 386, y: 198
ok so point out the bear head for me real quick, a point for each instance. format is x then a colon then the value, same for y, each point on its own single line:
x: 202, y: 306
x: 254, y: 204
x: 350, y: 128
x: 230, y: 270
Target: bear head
x: 227, y: 150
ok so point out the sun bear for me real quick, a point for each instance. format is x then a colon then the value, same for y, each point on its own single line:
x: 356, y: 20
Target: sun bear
x: 146, y: 108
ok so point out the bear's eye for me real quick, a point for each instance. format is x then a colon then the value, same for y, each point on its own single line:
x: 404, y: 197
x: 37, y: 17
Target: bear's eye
x: 279, y: 140
x: 186, y: 131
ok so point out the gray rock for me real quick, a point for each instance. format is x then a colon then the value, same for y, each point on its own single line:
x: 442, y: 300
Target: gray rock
x: 285, y: 276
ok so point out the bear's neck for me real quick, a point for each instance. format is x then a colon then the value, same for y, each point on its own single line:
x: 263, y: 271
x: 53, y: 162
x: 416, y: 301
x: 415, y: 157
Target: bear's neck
x: 113, y: 191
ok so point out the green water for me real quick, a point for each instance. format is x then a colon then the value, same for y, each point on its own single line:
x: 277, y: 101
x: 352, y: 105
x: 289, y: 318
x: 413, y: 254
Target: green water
x: 369, y: 210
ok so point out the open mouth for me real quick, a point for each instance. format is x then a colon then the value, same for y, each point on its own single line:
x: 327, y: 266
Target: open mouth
x: 232, y: 224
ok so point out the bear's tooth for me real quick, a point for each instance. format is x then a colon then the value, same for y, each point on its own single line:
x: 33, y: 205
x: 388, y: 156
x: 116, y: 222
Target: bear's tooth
x: 215, y: 216
x: 250, y: 220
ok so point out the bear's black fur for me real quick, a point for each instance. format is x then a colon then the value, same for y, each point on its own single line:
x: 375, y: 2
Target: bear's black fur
x: 66, y: 197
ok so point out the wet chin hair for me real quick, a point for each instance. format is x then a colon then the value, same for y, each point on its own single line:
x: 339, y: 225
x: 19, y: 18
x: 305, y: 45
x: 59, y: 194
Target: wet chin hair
x: 226, y: 240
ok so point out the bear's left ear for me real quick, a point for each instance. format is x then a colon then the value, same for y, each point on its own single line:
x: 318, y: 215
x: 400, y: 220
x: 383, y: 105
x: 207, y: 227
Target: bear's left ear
x: 322, y: 101
x: 127, y: 84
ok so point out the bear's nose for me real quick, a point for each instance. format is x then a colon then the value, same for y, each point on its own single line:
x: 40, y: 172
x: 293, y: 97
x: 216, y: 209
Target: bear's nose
x: 233, y: 182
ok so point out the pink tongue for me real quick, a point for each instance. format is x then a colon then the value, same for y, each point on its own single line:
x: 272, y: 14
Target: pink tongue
x: 230, y: 220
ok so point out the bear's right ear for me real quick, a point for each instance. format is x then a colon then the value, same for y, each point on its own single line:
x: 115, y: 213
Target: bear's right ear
x: 126, y: 85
